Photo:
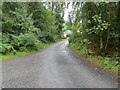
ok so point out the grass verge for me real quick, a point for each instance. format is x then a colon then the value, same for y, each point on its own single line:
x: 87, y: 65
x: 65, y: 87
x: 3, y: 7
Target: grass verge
x: 101, y: 62
x: 41, y: 46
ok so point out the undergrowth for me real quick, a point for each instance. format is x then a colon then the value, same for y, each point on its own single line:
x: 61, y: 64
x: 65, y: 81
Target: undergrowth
x: 103, y: 62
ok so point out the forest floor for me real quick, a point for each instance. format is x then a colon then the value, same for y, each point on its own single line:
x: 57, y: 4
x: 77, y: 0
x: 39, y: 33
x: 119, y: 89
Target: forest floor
x: 54, y: 67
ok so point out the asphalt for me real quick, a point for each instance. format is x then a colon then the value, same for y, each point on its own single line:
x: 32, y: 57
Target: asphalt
x: 54, y: 67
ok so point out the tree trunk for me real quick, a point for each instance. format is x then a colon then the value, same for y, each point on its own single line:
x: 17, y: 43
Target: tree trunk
x: 106, y: 45
x: 101, y: 41
x: 107, y: 40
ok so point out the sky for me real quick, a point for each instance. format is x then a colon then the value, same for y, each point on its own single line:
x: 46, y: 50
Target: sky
x: 67, y: 10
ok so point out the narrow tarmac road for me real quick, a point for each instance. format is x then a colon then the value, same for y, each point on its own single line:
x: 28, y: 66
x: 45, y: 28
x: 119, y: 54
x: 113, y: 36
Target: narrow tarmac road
x: 54, y: 67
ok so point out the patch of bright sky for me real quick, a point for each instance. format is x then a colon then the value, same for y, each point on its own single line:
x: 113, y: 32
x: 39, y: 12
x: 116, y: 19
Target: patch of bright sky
x: 67, y: 10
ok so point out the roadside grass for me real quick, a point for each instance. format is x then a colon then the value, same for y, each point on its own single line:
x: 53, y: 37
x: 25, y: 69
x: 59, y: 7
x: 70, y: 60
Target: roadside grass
x: 18, y: 53
x: 11, y: 55
x: 101, y: 62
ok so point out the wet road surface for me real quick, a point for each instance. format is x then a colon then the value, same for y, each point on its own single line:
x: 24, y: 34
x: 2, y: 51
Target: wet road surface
x: 54, y: 67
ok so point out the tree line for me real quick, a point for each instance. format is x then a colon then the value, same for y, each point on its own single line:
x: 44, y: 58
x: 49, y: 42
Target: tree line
x: 27, y: 24
x: 96, y: 27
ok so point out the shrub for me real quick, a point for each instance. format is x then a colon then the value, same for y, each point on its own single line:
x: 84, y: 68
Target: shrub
x: 76, y: 37
x: 15, y: 41
x: 6, y: 48
x: 22, y: 42
x: 5, y: 38
x: 28, y: 42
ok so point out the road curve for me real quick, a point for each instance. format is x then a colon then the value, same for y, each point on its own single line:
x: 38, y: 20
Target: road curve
x: 54, y: 67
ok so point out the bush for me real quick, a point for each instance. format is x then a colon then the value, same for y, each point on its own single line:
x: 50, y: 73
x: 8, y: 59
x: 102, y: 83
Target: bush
x: 76, y: 37
x: 6, y: 48
x: 28, y: 42
x: 22, y: 42
x: 45, y: 37
x: 15, y: 41
x: 5, y: 38
x: 50, y: 38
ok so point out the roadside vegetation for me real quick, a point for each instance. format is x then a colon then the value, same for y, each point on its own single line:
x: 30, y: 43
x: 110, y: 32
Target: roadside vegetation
x: 105, y: 63
x: 22, y: 53
x: 29, y: 26
x: 96, y: 28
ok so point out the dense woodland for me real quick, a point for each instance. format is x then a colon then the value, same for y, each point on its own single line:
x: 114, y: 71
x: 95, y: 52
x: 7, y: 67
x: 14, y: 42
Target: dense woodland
x: 27, y: 24
x: 96, y: 26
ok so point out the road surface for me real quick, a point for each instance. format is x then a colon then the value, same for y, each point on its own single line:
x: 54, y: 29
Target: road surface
x: 54, y: 67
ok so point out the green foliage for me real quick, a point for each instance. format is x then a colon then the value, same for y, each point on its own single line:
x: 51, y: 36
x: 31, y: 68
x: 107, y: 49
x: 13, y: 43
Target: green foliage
x: 106, y: 63
x: 75, y: 38
x: 28, y: 42
x: 23, y: 42
x: 5, y: 38
x: 45, y: 37
x: 99, y: 32
x: 6, y: 48
x: 43, y: 19
x: 98, y: 23
x: 27, y: 24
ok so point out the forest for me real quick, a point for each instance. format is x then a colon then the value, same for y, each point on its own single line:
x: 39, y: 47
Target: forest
x: 95, y: 25
x: 26, y: 25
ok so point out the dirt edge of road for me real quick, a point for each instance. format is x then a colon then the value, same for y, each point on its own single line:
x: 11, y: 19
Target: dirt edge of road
x: 114, y: 74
